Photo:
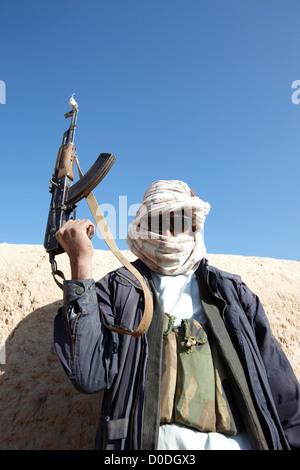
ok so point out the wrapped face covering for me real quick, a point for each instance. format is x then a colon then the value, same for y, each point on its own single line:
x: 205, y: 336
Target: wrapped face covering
x: 166, y: 233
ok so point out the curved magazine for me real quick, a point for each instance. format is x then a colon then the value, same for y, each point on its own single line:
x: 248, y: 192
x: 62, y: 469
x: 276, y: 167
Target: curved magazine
x: 91, y: 179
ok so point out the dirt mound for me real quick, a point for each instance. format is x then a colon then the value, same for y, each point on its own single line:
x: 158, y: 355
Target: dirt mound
x: 39, y: 407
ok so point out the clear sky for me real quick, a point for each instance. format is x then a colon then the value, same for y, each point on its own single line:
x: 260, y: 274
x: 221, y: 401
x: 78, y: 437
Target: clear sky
x: 195, y: 90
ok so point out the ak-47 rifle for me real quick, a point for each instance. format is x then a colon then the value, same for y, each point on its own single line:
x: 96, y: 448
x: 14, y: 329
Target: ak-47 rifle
x: 65, y: 194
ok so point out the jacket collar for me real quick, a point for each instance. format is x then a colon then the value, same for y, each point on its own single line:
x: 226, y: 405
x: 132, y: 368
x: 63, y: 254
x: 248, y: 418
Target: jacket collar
x: 124, y: 273
x: 207, y: 273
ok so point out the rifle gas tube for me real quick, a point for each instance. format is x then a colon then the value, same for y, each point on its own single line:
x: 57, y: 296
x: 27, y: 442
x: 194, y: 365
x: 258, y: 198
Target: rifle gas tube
x: 65, y: 194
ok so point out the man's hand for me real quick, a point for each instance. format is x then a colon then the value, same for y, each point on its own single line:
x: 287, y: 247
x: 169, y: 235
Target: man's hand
x: 75, y: 237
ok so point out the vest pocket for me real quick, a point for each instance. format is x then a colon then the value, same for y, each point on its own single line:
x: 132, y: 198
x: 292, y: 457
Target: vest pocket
x: 111, y: 434
x: 169, y: 378
x: 188, y: 385
x: 195, y: 389
x: 194, y: 403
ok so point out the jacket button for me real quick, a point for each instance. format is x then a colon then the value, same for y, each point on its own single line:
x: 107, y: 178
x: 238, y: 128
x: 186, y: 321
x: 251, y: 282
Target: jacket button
x: 79, y: 290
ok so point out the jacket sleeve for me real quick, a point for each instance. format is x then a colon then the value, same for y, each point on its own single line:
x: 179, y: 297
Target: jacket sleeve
x: 283, y: 383
x: 86, y: 349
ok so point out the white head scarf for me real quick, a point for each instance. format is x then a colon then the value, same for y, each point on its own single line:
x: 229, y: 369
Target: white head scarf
x: 163, y: 254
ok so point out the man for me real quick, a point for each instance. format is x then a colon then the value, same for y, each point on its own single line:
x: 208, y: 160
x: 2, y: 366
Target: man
x: 208, y: 373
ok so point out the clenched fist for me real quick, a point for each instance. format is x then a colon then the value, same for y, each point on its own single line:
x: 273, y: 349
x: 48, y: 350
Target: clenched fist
x: 75, y: 237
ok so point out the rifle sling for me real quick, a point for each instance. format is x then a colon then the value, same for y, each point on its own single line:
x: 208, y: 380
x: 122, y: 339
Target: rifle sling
x: 108, y: 238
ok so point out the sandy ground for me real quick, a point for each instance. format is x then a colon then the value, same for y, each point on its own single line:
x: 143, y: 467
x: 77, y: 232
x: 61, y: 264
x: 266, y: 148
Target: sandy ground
x: 39, y: 408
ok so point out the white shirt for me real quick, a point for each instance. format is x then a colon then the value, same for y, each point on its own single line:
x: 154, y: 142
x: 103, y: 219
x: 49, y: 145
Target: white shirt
x: 179, y: 296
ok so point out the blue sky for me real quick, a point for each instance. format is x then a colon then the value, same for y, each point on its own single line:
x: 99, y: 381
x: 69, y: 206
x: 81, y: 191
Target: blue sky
x: 195, y: 90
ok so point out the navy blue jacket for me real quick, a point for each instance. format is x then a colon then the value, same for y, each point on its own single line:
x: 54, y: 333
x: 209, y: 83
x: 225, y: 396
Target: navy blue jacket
x: 100, y: 359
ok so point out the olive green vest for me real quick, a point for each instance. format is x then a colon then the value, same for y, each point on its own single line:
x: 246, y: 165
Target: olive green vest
x: 195, y: 391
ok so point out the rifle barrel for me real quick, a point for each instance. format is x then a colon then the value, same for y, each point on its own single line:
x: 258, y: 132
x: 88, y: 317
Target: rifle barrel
x: 71, y: 131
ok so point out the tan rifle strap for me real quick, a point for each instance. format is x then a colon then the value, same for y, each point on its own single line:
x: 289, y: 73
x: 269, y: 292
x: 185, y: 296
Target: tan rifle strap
x: 108, y: 238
